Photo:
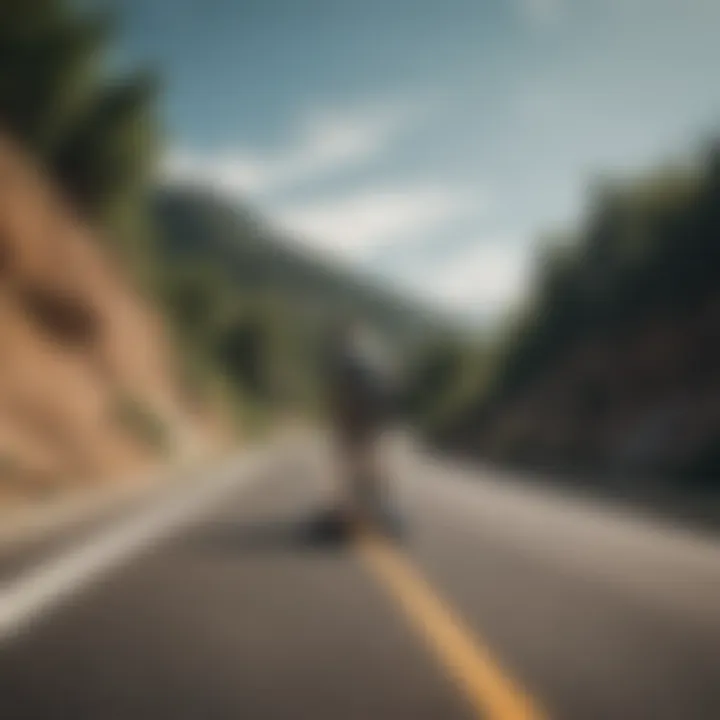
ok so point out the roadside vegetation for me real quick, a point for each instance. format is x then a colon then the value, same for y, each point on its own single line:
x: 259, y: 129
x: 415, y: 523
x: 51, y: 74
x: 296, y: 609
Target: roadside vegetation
x: 98, y: 137
x: 612, y: 364
x: 141, y: 421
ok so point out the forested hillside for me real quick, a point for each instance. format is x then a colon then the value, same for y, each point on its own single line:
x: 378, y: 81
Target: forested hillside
x: 252, y: 305
x: 196, y: 226
x: 90, y: 388
x: 613, y: 365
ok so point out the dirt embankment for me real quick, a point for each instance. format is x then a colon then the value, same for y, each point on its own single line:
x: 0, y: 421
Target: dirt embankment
x: 88, y: 387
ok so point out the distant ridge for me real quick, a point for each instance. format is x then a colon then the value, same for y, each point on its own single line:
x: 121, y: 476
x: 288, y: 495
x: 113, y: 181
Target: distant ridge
x: 198, y: 224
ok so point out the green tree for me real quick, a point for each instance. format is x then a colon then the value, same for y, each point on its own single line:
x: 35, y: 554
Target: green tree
x: 635, y: 291
x: 95, y: 133
x: 243, y: 350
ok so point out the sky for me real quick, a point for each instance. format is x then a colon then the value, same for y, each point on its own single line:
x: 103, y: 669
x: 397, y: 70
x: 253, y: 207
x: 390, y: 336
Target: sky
x: 433, y: 143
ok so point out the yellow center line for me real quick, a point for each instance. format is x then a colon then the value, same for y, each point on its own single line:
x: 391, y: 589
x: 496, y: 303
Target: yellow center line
x: 489, y: 690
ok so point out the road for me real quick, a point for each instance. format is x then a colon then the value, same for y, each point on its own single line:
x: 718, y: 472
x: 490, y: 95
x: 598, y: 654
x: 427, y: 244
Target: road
x: 503, y: 601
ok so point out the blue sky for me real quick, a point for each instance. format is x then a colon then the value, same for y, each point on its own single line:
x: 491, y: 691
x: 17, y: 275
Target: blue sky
x: 429, y: 141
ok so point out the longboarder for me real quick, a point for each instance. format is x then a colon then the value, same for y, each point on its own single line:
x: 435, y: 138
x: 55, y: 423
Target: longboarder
x: 362, y: 383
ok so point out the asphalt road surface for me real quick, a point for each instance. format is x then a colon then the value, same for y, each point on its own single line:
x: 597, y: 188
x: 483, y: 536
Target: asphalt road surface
x: 220, y: 599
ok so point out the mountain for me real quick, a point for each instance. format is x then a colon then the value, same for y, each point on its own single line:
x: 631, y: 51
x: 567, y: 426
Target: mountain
x: 198, y: 226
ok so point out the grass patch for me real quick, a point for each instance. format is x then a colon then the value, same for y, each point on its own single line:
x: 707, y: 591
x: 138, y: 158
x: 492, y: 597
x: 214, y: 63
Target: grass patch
x: 142, y: 422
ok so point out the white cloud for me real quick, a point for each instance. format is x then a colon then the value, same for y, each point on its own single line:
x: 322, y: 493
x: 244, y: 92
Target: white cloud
x: 482, y: 280
x: 328, y: 142
x: 325, y: 142
x: 359, y: 223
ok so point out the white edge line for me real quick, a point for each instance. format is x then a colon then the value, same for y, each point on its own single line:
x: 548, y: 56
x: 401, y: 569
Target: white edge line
x: 63, y: 575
